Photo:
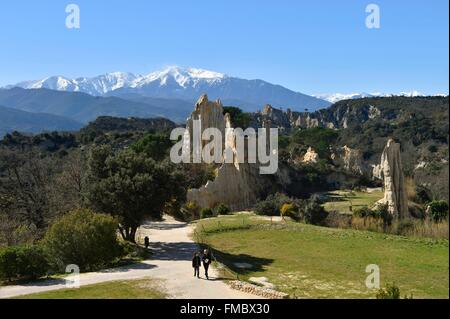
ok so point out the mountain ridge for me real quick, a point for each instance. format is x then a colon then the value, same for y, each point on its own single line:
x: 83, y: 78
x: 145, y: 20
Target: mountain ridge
x: 183, y: 83
x: 28, y: 122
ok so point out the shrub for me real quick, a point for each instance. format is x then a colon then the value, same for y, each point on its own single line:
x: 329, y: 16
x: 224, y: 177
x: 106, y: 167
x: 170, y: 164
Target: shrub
x: 272, y: 204
x: 423, y: 195
x: 206, y: 213
x: 416, y: 211
x: 288, y: 210
x: 267, y: 208
x: 314, y: 213
x: 23, y: 262
x: 438, y: 210
x: 390, y: 292
x: 363, y: 212
x: 222, y: 209
x: 132, y: 250
x: 190, y: 211
x: 83, y: 238
x: 382, y: 212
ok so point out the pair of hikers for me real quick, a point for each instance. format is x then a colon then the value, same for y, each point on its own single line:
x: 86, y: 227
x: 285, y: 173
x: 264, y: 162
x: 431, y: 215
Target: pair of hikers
x: 197, y: 261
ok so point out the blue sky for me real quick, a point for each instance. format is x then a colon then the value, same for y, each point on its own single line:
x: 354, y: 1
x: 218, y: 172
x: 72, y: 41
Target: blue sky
x: 320, y: 46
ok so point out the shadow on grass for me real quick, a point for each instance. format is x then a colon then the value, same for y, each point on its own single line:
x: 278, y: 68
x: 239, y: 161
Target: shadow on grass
x: 242, y: 264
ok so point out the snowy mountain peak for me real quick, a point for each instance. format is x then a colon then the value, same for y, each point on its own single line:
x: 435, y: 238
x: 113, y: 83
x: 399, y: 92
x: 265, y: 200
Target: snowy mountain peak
x: 185, y: 84
x: 336, y: 97
x: 103, y: 84
x: 181, y: 76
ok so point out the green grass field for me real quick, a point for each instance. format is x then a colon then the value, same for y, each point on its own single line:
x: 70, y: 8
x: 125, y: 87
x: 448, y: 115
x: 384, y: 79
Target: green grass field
x: 314, y: 262
x: 340, y: 201
x: 129, y: 289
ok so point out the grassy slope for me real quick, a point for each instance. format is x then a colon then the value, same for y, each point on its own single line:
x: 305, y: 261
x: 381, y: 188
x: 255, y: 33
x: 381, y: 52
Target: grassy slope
x: 340, y: 201
x: 315, y: 262
x: 131, y: 289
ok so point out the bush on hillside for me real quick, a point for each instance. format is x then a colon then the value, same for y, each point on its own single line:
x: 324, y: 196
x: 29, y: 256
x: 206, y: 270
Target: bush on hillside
x: 314, y: 213
x: 206, y: 213
x: 438, y: 210
x: 379, y: 212
x: 190, y: 211
x: 83, y: 238
x: 289, y: 210
x: 222, y: 209
x: 389, y: 292
x: 23, y: 262
x: 271, y: 205
x: 363, y: 212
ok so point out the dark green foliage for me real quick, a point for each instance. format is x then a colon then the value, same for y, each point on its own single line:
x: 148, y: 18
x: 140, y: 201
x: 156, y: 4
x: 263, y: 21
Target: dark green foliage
x: 364, y: 212
x: 106, y: 125
x: 438, y: 210
x: 206, y: 213
x: 423, y: 195
x: 46, y: 142
x: 197, y: 175
x: 222, y: 209
x: 389, y: 292
x: 309, y: 211
x: 189, y: 212
x: 23, y: 262
x: 271, y: 205
x: 154, y: 145
x: 132, y: 187
x: 319, y: 138
x: 132, y: 250
x: 238, y: 118
x: 379, y: 212
x: 314, y: 213
x: 83, y: 238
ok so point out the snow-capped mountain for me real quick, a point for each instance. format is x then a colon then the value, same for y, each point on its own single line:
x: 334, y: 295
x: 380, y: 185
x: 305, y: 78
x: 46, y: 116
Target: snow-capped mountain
x: 186, y: 84
x: 336, y: 97
x: 99, y: 85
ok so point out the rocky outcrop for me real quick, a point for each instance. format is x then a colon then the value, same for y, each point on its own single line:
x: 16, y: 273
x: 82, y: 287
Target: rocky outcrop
x: 340, y: 115
x: 311, y: 156
x: 394, y: 184
x: 210, y: 114
x: 257, y: 290
x: 351, y: 160
x: 237, y: 185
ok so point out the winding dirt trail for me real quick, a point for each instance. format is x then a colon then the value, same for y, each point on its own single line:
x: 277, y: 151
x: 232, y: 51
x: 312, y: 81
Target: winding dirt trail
x: 171, y: 263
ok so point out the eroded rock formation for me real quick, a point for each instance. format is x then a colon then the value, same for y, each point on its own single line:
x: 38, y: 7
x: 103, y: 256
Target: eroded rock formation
x: 394, y: 184
x: 238, y: 185
x: 311, y: 156
x: 351, y: 160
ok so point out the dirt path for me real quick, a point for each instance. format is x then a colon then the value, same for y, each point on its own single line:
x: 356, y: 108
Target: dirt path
x: 171, y: 262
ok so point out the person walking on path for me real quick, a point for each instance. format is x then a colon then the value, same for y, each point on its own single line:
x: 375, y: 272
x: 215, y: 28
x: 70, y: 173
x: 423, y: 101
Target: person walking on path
x: 146, y: 242
x: 196, y: 263
x: 206, y: 258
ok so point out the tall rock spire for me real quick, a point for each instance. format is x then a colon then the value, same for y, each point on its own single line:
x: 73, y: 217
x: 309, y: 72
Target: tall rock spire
x: 394, y: 183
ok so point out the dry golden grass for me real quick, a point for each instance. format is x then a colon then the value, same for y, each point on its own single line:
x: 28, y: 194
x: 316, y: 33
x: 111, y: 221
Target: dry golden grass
x: 411, y: 228
x: 410, y: 187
